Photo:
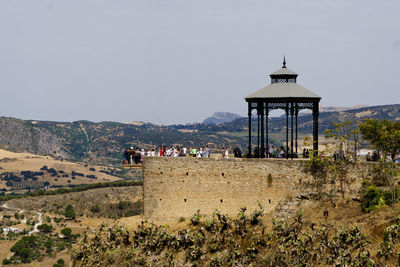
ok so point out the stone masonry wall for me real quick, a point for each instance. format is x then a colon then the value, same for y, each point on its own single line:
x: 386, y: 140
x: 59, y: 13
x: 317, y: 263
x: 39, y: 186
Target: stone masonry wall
x: 178, y: 187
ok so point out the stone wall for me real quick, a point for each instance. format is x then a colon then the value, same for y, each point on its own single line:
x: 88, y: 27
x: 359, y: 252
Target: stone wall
x: 178, y: 187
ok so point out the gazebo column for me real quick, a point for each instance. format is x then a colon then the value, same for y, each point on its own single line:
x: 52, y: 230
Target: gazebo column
x: 287, y: 130
x: 315, y: 126
x: 266, y: 127
x: 262, y: 131
x: 249, y: 114
x: 296, y: 113
x: 291, y: 129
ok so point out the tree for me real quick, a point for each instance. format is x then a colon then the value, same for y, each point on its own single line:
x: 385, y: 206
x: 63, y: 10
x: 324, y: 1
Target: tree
x: 69, y: 212
x: 45, y: 228
x: 318, y: 168
x: 384, y: 174
x: 347, y: 136
x: 95, y: 208
x: 338, y: 170
x: 383, y: 135
x: 67, y: 232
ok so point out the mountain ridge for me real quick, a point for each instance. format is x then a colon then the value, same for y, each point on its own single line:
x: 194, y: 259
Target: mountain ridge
x: 221, y: 117
x: 102, y: 142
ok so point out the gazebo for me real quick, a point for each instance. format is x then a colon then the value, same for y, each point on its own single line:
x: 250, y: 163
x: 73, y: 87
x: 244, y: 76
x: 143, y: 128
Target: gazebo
x: 283, y: 93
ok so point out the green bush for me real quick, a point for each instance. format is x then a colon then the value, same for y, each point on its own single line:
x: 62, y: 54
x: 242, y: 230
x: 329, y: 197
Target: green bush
x: 388, y: 196
x: 24, y: 249
x: 95, y: 208
x: 69, y: 212
x: 60, y: 263
x: 45, y: 228
x: 366, y: 183
x: 372, y: 199
x: 67, y: 232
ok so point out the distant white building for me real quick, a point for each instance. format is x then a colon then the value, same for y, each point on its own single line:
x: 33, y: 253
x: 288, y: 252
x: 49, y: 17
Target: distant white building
x: 12, y: 229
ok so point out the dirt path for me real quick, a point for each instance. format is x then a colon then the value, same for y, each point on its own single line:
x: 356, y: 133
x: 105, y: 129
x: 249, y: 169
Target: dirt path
x: 35, y: 230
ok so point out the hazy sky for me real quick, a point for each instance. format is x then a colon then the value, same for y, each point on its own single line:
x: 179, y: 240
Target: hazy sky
x: 169, y: 61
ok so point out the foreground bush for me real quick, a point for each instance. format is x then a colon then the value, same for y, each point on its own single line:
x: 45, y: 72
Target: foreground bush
x: 372, y: 199
x: 222, y: 241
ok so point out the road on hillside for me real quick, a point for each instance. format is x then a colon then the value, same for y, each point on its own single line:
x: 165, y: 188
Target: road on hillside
x: 35, y: 230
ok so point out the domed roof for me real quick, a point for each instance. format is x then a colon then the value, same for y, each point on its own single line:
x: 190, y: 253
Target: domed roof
x: 283, y: 86
x: 283, y: 71
x: 283, y: 90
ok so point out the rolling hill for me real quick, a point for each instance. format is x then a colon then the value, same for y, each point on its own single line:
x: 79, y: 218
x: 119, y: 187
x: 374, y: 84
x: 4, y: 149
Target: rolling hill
x: 102, y: 142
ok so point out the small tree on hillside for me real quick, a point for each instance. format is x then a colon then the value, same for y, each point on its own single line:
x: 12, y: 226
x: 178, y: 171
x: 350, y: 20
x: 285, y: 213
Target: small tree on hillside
x: 69, y: 212
x: 67, y: 232
x: 385, y: 174
x: 347, y: 137
x: 45, y: 228
x: 317, y: 167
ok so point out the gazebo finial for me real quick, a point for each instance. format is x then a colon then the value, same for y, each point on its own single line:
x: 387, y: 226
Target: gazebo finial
x: 284, y: 62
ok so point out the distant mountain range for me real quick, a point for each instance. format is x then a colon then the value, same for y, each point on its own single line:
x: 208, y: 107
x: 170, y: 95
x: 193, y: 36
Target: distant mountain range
x: 102, y: 142
x: 222, y: 117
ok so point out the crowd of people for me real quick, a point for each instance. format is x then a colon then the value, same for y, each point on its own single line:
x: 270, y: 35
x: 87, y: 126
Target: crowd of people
x: 375, y: 156
x: 277, y: 152
x: 135, y: 156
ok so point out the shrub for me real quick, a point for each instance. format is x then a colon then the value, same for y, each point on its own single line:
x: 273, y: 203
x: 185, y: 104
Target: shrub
x: 23, y: 248
x: 60, y: 263
x: 95, y: 208
x: 69, y: 212
x: 123, y: 204
x: 372, y: 199
x: 45, y: 228
x: 67, y: 232
x: 366, y: 183
x: 388, y: 196
x: 44, y: 168
x: 195, y: 219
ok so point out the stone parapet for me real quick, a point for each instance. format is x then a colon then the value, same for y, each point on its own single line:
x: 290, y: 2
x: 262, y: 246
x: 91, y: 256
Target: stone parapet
x: 178, y: 187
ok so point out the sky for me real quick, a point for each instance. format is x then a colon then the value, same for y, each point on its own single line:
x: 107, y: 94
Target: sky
x: 179, y: 61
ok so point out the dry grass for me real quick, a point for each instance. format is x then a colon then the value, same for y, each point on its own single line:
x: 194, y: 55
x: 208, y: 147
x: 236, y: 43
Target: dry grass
x: 106, y: 198
x: 29, y: 162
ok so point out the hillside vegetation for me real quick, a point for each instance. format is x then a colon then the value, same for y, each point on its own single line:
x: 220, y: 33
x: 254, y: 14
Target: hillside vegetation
x: 25, y: 171
x: 102, y: 142
x: 111, y: 202
x: 219, y: 240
